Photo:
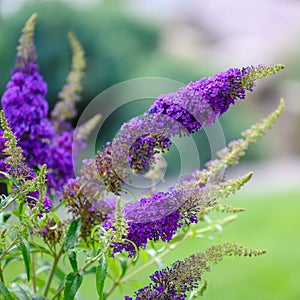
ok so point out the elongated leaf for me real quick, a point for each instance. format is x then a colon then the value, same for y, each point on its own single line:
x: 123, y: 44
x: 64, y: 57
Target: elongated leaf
x: 13, y: 180
x: 71, y: 237
x: 35, y: 247
x: 4, y: 199
x: 4, y: 291
x: 73, y: 282
x: 73, y: 261
x: 101, y: 272
x: 25, y: 249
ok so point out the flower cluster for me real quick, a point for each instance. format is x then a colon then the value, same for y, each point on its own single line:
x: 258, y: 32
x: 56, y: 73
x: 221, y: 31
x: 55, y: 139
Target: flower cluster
x: 183, y: 112
x: 24, y: 102
x: 26, y: 110
x: 158, y: 217
x: 146, y: 147
x: 52, y: 232
x: 183, y: 276
x: 36, y: 158
x: 112, y: 181
x: 91, y: 210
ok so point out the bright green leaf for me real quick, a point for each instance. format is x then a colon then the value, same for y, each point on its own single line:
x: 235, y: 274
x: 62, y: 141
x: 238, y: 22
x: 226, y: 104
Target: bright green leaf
x: 4, y: 291
x: 101, y: 272
x: 25, y: 249
x: 73, y: 261
x: 73, y: 282
x: 71, y: 237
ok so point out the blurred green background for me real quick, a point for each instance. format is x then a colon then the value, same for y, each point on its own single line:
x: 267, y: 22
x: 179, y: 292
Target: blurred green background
x: 183, y: 41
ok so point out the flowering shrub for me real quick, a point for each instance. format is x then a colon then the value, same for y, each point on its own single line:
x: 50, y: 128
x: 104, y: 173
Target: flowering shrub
x: 36, y: 159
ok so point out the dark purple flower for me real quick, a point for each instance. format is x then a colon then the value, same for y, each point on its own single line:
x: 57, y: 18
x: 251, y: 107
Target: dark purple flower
x: 146, y: 147
x: 24, y: 102
x: 201, y: 102
x: 175, y: 281
x: 60, y: 162
x: 26, y: 111
x: 186, y: 111
x: 157, y: 217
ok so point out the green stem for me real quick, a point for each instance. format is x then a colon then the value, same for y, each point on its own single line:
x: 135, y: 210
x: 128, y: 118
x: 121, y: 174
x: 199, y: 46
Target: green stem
x: 5, y: 251
x: 55, y: 262
x: 92, y: 260
x: 33, y: 270
x: 9, y: 247
x: 116, y: 283
x: 1, y: 274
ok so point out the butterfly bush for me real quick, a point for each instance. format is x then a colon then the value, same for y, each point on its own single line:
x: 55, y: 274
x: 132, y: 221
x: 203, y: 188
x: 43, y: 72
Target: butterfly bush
x: 58, y: 215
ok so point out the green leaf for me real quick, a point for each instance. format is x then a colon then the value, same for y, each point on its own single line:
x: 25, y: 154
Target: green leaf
x: 101, y: 272
x: 73, y: 282
x: 25, y: 249
x: 6, y: 217
x: 13, y: 180
x: 5, y: 199
x: 91, y: 270
x: 4, y: 291
x: 73, y: 261
x: 71, y: 237
x: 135, y: 284
x: 21, y: 210
x: 35, y: 247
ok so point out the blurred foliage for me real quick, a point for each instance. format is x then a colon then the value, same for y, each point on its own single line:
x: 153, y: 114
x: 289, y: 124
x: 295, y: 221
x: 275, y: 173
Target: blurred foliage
x: 117, y: 46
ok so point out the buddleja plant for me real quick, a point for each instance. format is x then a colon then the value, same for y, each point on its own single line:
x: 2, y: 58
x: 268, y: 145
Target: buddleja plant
x: 117, y: 240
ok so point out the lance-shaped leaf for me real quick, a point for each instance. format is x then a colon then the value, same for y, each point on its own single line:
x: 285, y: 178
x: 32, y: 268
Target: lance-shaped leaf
x: 73, y: 282
x: 25, y: 249
x: 4, y: 291
x: 101, y: 271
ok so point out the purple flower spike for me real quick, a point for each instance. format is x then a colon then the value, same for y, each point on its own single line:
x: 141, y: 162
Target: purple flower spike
x: 158, y: 217
x: 24, y: 101
x: 199, y: 103
x: 186, y: 111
